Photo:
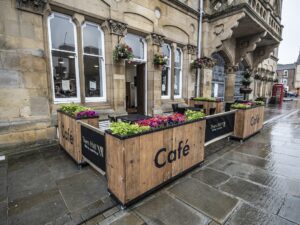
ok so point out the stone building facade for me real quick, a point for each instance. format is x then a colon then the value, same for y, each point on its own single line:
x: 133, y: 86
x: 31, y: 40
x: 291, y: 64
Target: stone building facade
x: 289, y: 76
x: 60, y: 51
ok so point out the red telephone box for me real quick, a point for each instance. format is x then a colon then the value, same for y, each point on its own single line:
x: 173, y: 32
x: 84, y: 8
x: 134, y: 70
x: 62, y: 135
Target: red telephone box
x: 278, y: 93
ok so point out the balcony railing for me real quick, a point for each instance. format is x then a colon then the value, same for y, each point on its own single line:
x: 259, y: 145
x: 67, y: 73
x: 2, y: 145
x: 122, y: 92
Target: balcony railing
x: 257, y: 7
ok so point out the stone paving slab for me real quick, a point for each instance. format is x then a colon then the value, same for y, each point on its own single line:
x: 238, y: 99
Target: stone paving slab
x: 291, y: 209
x: 257, y: 195
x: 204, y: 198
x: 248, y: 215
x: 210, y: 176
x: 82, y: 189
x: 36, y: 210
x: 165, y: 210
x: 129, y: 219
x: 3, y: 213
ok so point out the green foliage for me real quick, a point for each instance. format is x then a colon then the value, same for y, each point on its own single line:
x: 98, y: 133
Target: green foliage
x: 240, y: 106
x: 160, y: 59
x: 205, y: 99
x: 194, y: 115
x: 73, y: 109
x: 124, y: 129
x: 260, y: 103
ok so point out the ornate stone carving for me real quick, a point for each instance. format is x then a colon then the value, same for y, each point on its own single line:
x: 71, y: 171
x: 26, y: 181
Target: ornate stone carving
x: 116, y: 27
x: 36, y: 6
x: 157, y: 39
x: 192, y: 49
x: 219, y: 29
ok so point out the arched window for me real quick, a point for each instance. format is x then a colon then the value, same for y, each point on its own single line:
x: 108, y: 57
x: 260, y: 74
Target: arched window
x: 166, y: 73
x: 94, y: 66
x: 178, y: 73
x: 218, y: 80
x: 64, y: 61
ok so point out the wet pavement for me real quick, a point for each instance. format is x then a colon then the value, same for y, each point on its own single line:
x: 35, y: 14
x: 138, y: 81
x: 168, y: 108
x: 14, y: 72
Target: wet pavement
x: 251, y: 183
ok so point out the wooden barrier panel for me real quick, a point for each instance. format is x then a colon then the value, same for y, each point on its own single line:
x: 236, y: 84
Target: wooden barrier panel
x: 70, y: 135
x: 248, y: 122
x: 207, y: 105
x: 139, y: 164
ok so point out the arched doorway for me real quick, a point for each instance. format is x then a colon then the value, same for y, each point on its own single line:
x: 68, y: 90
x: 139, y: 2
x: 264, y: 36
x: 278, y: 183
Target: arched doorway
x: 218, y: 79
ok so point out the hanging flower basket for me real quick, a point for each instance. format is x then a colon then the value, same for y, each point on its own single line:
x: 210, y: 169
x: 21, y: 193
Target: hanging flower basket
x: 203, y: 62
x: 275, y: 80
x: 245, y: 90
x: 246, y: 82
x: 160, y: 60
x: 122, y: 51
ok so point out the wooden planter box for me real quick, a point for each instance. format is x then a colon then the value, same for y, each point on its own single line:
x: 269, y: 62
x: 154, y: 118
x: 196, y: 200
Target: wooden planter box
x: 70, y: 134
x: 138, y: 165
x: 248, y: 122
x: 207, y: 105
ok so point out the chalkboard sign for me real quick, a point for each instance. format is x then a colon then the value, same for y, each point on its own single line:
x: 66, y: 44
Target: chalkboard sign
x: 219, y: 125
x: 93, y: 147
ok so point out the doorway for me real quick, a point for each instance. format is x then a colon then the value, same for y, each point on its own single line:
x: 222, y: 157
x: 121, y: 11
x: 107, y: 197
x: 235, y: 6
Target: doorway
x: 136, y: 88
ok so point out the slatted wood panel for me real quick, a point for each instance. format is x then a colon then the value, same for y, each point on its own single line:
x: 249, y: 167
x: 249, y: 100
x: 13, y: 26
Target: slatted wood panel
x: 70, y: 134
x: 208, y: 105
x: 248, y: 122
x: 131, y: 170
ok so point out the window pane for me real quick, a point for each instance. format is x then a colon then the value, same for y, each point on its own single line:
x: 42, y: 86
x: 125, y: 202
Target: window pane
x: 62, y: 33
x: 137, y: 45
x: 92, y: 40
x: 93, y: 76
x: 64, y: 74
x: 165, y: 81
x: 177, y: 82
x: 167, y: 52
x: 177, y: 58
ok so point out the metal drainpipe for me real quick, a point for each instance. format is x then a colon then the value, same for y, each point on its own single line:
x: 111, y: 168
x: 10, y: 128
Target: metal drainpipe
x: 199, y: 45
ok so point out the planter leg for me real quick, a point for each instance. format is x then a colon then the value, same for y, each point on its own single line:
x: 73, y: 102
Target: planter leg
x: 79, y: 166
x: 123, y: 207
x: 241, y: 141
x: 228, y: 139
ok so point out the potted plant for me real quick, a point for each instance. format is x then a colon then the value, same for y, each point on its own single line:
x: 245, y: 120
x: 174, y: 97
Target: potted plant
x: 69, y: 129
x: 122, y: 51
x: 245, y: 89
x: 160, y: 60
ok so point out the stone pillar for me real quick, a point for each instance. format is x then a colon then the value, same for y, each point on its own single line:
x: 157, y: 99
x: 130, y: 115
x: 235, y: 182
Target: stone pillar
x: 191, y: 73
x: 206, y: 82
x: 154, y: 43
x: 117, y: 30
x: 230, y: 83
x: 173, y: 49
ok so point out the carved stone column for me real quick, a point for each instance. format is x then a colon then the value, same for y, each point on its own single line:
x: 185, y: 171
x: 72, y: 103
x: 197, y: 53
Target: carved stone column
x: 154, y: 43
x: 190, y: 54
x: 117, y: 30
x: 206, y: 82
x: 230, y: 83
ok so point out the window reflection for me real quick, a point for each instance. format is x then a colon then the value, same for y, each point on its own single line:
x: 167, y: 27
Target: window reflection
x: 177, y: 73
x: 93, y: 61
x: 165, y: 77
x: 137, y: 45
x: 64, y: 56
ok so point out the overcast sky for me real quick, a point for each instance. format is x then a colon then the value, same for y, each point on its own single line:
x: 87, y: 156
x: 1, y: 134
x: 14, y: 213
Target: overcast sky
x: 290, y: 46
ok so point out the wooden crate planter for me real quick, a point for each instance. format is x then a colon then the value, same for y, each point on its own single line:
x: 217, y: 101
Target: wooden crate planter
x: 69, y: 134
x: 248, y: 122
x: 207, y: 105
x: 137, y: 165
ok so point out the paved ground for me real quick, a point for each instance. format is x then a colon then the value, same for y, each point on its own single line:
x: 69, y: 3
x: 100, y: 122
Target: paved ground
x: 257, y: 182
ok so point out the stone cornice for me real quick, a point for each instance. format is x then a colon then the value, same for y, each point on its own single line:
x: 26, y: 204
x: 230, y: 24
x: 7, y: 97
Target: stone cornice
x: 181, y: 5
